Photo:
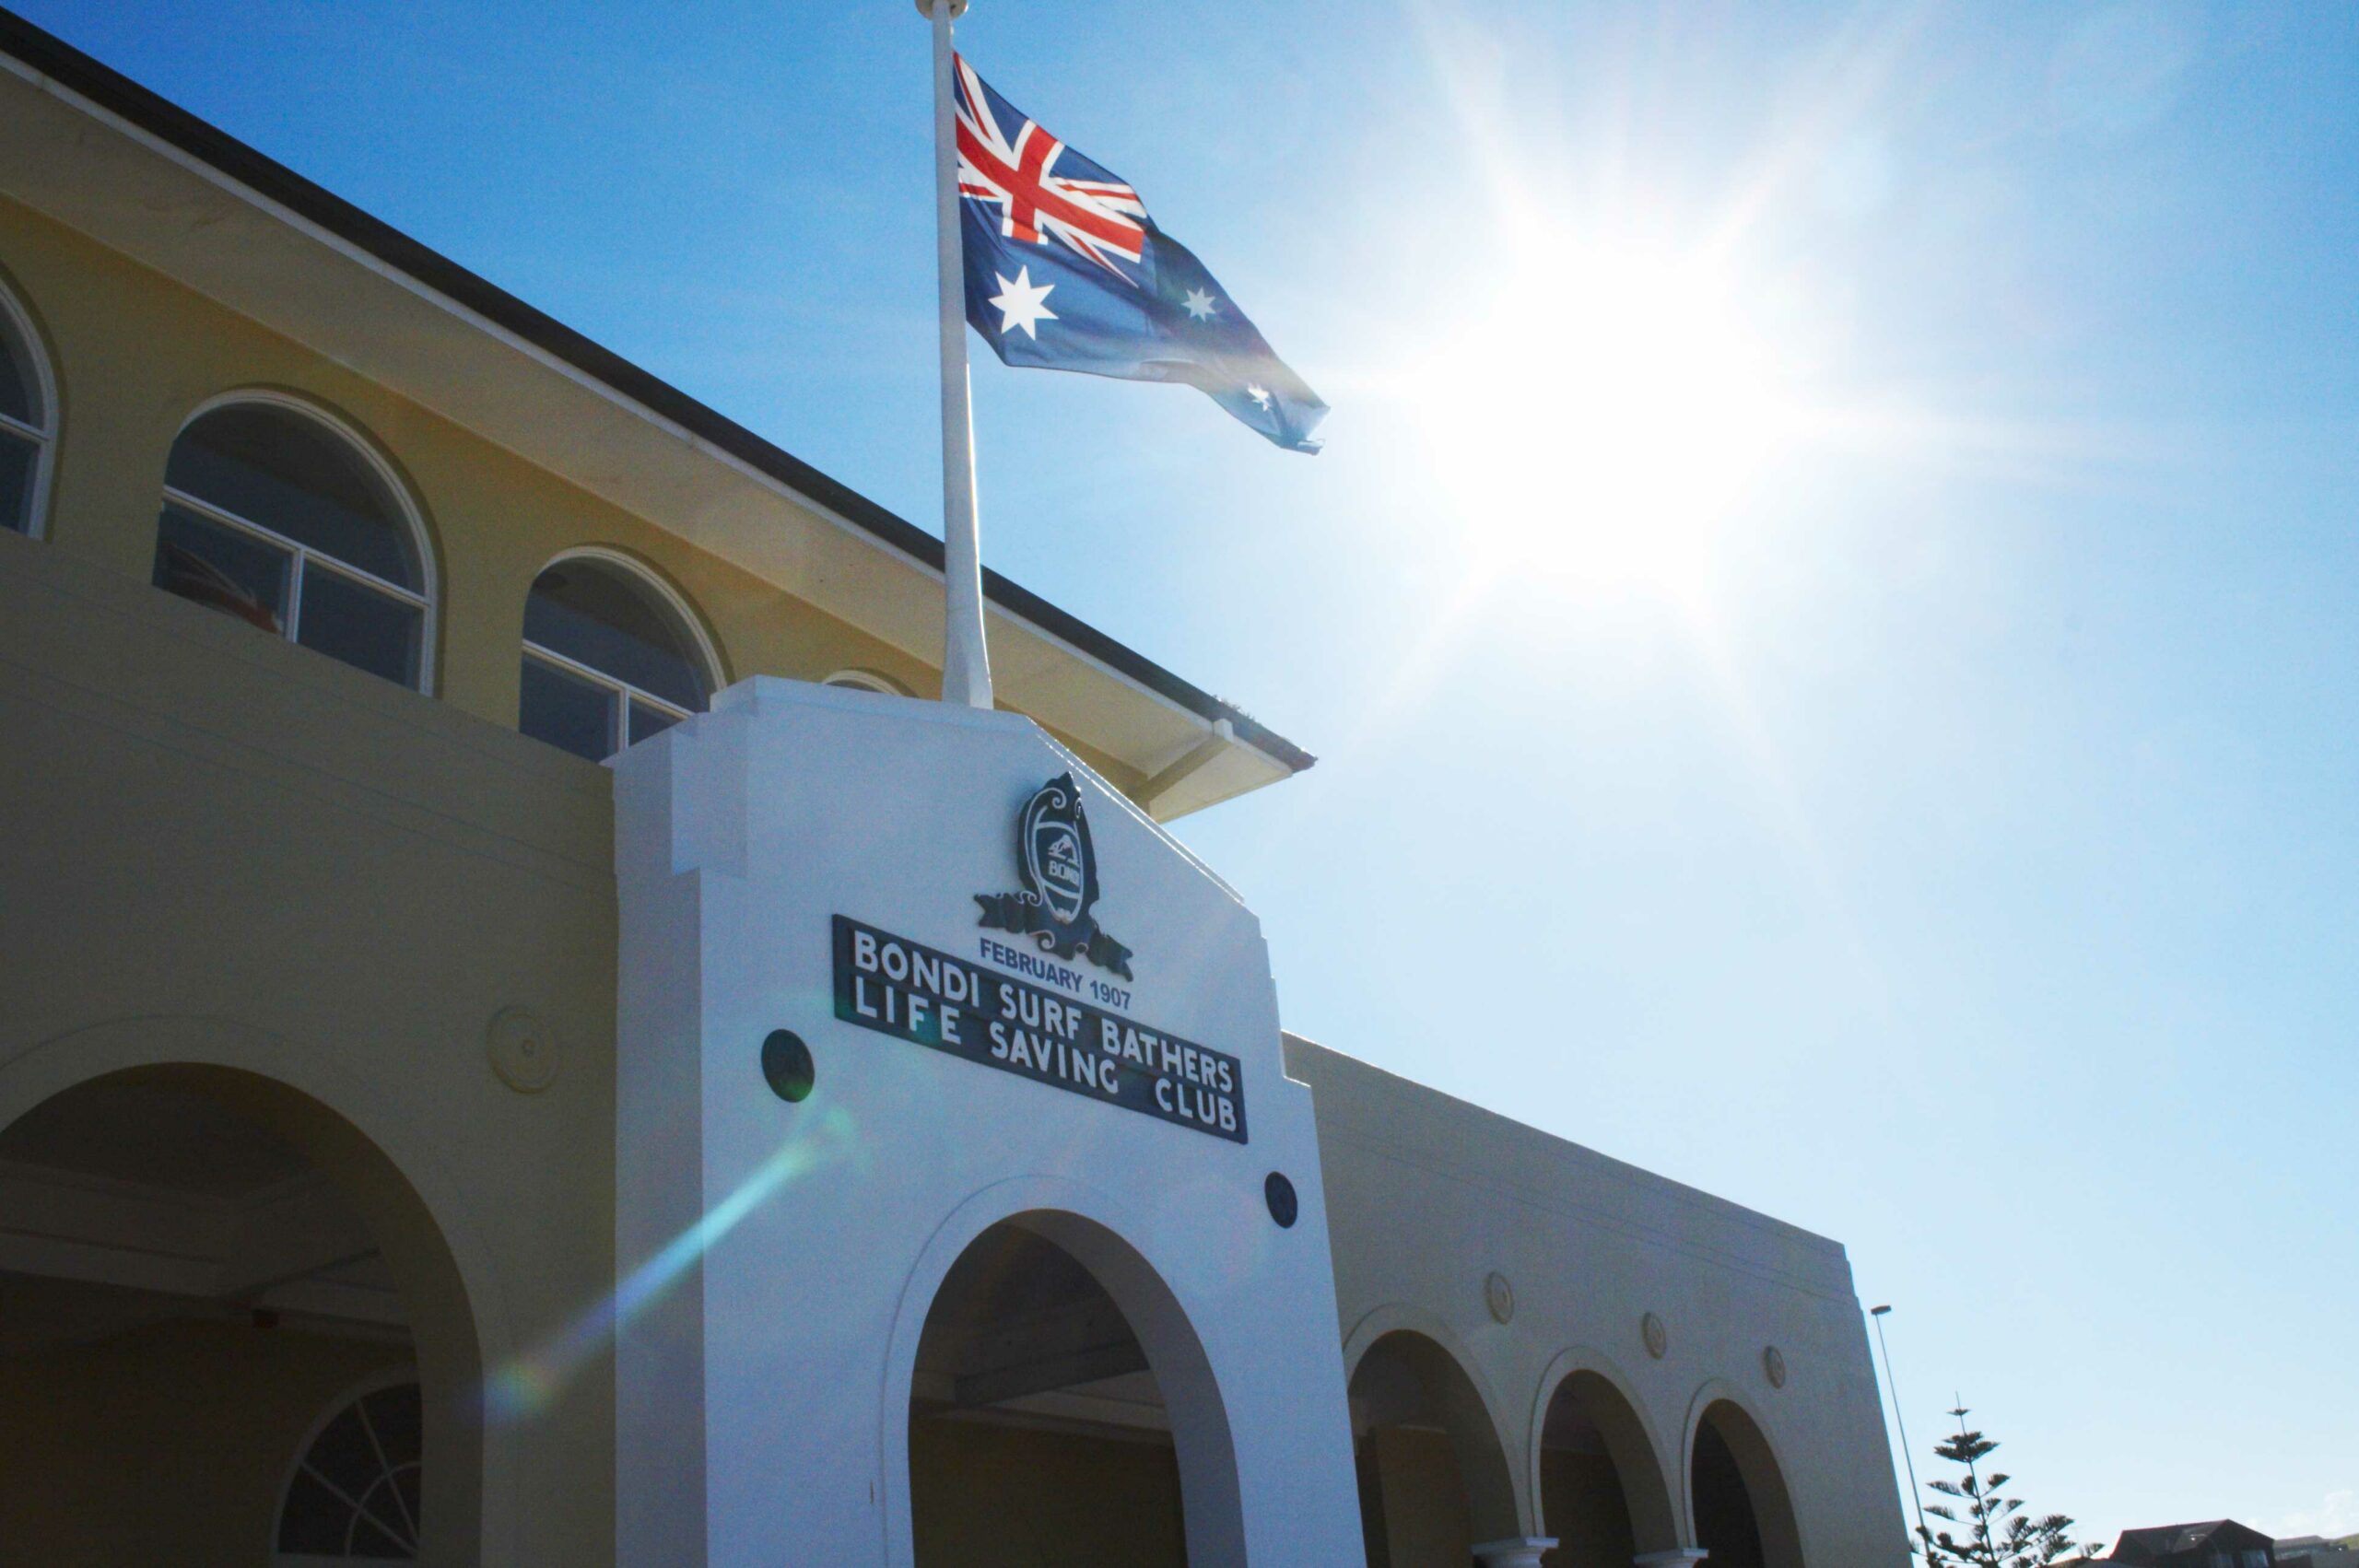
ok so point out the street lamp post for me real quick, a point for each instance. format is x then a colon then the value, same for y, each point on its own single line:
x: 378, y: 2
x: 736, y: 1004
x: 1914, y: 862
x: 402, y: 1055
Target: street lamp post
x: 1908, y: 1457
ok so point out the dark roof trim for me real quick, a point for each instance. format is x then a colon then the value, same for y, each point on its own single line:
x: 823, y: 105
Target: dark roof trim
x: 60, y: 61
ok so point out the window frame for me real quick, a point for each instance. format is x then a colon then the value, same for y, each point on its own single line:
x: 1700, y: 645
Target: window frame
x: 622, y: 690
x: 407, y: 516
x: 701, y: 651
x: 376, y: 1383
x: 44, y: 376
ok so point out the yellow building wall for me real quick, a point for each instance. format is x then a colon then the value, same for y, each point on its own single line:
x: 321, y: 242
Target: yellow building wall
x: 223, y: 850
x: 1005, y: 1497
x: 137, y: 354
x: 1581, y: 1498
x: 165, y: 1445
x: 1419, y: 1498
x: 1415, y: 1516
x: 216, y: 837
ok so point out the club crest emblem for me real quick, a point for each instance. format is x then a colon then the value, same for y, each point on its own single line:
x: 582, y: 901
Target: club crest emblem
x: 1060, y: 871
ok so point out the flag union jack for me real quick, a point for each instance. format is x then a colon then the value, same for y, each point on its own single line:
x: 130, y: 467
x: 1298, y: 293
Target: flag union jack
x: 1084, y: 208
x: 1065, y: 271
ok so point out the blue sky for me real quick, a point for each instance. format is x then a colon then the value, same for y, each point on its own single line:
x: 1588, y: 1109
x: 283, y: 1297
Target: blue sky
x: 1945, y: 841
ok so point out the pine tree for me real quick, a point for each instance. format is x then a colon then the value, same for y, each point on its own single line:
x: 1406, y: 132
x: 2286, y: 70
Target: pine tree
x: 1997, y: 1533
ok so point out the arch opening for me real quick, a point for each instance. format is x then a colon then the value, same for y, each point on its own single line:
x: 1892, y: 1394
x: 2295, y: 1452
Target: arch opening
x: 229, y: 1332
x: 1433, y: 1475
x: 1601, y: 1492
x: 1744, y: 1515
x: 1061, y: 1410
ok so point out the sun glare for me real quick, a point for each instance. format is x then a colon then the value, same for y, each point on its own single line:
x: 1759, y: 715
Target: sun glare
x: 1601, y: 418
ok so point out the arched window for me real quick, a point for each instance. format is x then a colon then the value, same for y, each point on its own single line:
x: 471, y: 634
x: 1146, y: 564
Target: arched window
x: 273, y: 516
x: 867, y: 681
x: 28, y: 420
x: 355, y: 1493
x: 610, y: 658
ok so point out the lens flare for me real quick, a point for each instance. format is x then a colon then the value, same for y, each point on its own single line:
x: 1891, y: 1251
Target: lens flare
x: 527, y: 1384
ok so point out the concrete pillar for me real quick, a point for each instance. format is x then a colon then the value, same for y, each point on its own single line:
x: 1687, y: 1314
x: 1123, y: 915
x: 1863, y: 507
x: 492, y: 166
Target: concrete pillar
x: 1516, y: 1551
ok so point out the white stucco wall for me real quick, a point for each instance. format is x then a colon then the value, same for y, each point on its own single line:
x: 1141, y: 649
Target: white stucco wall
x: 763, y: 1385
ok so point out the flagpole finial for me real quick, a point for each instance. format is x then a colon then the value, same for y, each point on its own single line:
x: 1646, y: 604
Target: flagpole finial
x: 957, y: 9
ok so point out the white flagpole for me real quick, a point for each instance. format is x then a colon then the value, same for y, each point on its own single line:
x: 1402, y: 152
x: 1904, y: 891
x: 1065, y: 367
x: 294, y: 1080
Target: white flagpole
x: 965, y: 663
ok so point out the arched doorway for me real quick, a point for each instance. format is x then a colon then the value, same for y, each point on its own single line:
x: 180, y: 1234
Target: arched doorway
x: 210, y: 1284
x: 1602, y: 1491
x: 1434, y: 1480
x: 1061, y: 1410
x: 1737, y: 1493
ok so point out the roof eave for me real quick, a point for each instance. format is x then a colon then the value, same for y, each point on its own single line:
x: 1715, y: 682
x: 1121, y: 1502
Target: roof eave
x: 273, y: 185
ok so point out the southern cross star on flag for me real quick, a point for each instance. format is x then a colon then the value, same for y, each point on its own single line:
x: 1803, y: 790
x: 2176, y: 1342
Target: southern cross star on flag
x: 1066, y: 272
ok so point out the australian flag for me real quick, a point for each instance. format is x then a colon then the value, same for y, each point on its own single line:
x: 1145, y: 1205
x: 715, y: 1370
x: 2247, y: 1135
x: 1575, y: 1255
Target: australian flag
x: 1066, y: 272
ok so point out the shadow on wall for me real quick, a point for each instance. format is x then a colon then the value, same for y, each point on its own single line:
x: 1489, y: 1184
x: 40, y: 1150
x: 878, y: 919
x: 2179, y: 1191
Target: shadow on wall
x: 1744, y: 1517
x: 1602, y: 1491
x: 225, y: 1319
x: 1434, y: 1482
x: 1061, y: 1410
x: 1433, y: 1477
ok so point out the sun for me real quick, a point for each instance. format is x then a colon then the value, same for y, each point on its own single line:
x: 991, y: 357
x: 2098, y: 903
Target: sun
x: 1599, y: 419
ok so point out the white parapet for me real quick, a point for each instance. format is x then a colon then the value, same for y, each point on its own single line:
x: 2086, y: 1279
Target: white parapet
x: 812, y: 862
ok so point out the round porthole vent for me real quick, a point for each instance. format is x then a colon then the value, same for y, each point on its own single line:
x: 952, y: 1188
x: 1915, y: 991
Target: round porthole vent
x: 1278, y: 1192
x: 787, y: 1066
